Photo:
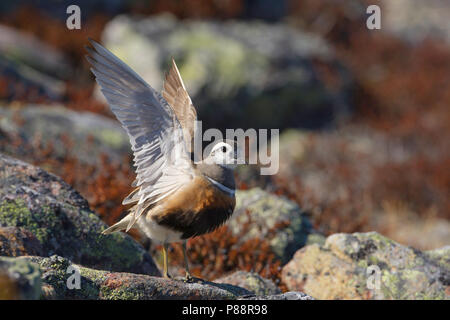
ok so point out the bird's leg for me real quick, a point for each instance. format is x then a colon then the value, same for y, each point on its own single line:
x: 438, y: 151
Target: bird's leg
x: 166, y: 260
x: 186, y: 262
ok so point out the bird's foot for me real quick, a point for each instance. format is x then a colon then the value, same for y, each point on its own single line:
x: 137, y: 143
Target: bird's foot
x: 188, y: 278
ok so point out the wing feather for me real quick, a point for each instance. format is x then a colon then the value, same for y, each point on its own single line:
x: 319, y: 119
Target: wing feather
x: 161, y: 158
x: 178, y: 98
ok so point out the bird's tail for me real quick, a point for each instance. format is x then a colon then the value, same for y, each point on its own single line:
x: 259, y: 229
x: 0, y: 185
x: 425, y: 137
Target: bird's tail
x: 119, y: 226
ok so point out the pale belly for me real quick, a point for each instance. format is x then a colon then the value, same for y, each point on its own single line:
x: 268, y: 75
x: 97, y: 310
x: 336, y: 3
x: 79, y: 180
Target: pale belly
x: 158, y: 232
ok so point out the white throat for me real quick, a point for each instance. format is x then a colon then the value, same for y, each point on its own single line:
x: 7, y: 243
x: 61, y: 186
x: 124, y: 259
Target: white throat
x: 223, y: 188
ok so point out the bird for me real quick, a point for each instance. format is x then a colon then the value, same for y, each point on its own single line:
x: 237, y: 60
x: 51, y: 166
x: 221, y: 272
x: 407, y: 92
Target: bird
x: 174, y: 198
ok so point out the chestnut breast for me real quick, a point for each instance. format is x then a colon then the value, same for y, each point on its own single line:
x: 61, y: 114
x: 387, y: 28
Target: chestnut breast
x: 197, y: 208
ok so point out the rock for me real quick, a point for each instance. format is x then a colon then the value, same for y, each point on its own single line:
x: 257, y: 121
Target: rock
x: 441, y: 256
x: 346, y: 267
x: 415, y: 20
x: 33, y: 62
x: 250, y: 74
x: 62, y: 222
x: 58, y: 282
x: 252, y: 282
x: 82, y: 135
x: 104, y: 285
x: 291, y: 295
x: 19, y: 279
x: 16, y: 242
x: 274, y: 218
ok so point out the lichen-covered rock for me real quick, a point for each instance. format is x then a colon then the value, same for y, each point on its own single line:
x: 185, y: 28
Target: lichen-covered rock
x: 16, y: 242
x: 252, y: 282
x: 58, y: 279
x: 272, y: 217
x: 251, y: 74
x: 62, y: 222
x: 368, y: 266
x: 105, y: 285
x: 81, y: 135
x: 19, y: 279
x: 441, y: 256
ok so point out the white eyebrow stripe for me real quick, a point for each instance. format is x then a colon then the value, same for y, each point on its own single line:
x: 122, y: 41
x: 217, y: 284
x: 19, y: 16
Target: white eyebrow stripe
x: 221, y: 186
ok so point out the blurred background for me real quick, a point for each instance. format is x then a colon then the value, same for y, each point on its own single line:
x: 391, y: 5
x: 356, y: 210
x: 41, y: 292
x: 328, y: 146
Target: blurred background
x: 363, y: 114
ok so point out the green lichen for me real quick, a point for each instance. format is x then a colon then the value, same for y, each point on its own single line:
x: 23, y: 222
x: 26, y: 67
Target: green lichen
x: 118, y: 249
x: 441, y: 256
x: 107, y: 293
x: 257, y: 285
x: 112, y: 138
x: 16, y: 213
x: 231, y: 60
x: 390, y: 285
x: 380, y: 241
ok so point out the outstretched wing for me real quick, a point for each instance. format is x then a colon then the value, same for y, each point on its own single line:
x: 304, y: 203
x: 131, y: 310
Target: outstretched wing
x: 178, y: 98
x: 160, y: 156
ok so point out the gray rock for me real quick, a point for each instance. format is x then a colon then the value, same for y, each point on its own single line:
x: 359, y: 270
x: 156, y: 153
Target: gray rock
x: 62, y: 222
x: 88, y: 135
x: 415, y: 20
x: 16, y: 242
x: 368, y: 266
x: 441, y: 256
x: 252, y: 282
x: 264, y: 211
x: 33, y: 62
x: 19, y: 279
x: 251, y: 74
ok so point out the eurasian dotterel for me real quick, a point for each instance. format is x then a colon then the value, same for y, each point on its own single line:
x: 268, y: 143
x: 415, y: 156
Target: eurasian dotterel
x: 175, y: 198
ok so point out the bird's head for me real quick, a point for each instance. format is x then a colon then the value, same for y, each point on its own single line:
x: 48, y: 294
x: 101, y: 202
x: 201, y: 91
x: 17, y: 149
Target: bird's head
x: 223, y: 154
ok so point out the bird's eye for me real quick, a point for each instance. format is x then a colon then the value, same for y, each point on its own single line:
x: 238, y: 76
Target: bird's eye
x: 224, y: 149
